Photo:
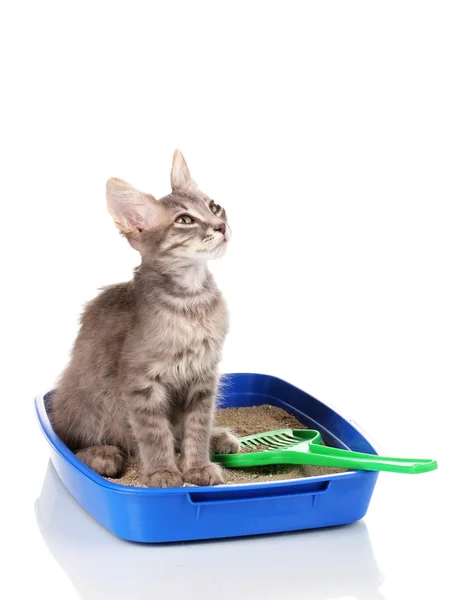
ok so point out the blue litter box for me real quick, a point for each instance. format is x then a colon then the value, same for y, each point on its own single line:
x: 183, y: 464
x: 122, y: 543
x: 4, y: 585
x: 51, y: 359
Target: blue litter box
x: 196, y: 513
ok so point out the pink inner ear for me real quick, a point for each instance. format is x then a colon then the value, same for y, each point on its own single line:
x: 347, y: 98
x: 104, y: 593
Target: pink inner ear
x: 132, y: 210
x: 141, y: 216
x: 137, y: 219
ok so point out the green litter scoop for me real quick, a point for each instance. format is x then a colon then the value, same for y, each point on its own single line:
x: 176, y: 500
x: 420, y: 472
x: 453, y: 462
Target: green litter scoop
x: 303, y: 447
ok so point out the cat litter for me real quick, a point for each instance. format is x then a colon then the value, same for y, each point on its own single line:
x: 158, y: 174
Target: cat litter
x: 245, y: 421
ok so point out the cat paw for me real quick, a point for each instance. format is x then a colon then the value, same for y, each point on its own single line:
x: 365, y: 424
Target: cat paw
x: 223, y: 442
x: 206, y: 474
x: 163, y: 478
x: 107, y: 461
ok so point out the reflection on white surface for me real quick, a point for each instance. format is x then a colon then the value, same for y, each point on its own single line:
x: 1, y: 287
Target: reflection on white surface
x: 320, y: 565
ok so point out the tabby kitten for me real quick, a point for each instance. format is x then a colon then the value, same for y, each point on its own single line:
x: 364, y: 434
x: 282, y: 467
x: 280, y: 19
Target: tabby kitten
x: 143, y: 374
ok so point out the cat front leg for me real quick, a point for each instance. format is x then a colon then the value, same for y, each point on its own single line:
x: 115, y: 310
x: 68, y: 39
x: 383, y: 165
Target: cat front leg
x: 148, y: 415
x: 197, y: 428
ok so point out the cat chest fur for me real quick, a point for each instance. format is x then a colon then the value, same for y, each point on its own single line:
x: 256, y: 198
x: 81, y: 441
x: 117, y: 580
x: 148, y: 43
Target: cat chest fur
x: 189, y: 345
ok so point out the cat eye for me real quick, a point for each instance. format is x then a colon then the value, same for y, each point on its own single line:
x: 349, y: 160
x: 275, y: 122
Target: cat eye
x: 184, y: 219
x: 215, y: 208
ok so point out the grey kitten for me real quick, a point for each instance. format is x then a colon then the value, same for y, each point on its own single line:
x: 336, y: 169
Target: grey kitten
x: 143, y: 374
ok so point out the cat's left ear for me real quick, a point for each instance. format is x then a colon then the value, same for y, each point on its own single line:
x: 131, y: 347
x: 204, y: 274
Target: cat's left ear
x: 180, y: 178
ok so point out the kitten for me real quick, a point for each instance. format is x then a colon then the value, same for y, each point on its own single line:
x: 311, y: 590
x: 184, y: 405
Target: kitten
x: 143, y: 374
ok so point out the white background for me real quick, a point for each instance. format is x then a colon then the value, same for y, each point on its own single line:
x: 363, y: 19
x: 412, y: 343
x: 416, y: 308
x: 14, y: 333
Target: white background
x: 329, y: 132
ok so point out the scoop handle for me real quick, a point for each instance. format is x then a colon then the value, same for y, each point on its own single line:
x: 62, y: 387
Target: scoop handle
x: 347, y: 459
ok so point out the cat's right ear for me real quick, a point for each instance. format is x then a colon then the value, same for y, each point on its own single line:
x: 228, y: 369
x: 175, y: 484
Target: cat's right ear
x: 131, y: 209
x: 180, y: 176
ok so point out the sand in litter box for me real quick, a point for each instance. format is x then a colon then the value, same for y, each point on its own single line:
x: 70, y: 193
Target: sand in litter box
x: 246, y: 421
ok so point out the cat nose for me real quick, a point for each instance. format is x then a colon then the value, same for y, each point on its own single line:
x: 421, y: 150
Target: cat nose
x: 221, y: 227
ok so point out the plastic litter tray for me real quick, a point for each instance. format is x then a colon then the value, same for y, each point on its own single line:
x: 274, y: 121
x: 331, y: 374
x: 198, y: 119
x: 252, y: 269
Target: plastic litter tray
x: 195, y: 513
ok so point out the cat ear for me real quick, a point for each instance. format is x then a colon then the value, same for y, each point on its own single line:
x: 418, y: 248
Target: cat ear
x: 181, y: 177
x: 131, y: 209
